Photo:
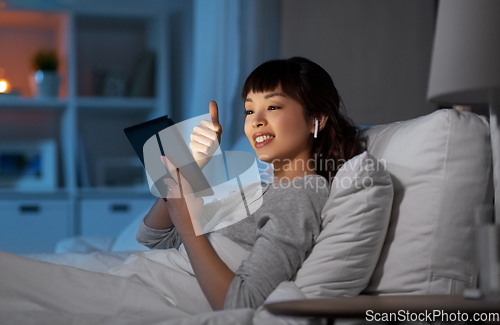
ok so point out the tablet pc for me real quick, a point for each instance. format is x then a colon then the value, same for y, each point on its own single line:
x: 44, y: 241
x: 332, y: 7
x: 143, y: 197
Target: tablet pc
x: 160, y: 136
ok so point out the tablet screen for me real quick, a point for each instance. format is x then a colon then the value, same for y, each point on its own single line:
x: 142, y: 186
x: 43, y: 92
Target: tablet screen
x: 160, y: 136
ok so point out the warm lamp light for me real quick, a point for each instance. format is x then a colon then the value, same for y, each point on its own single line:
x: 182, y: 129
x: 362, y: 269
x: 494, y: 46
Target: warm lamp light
x: 4, y: 86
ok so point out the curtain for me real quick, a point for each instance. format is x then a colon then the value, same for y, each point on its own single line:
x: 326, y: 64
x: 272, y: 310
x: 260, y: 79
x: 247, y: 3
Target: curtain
x: 231, y: 38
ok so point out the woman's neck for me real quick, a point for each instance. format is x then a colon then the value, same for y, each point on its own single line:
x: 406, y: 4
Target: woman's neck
x: 289, y: 170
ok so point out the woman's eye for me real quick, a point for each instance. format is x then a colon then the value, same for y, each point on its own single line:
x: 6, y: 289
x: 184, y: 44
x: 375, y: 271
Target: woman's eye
x: 270, y: 108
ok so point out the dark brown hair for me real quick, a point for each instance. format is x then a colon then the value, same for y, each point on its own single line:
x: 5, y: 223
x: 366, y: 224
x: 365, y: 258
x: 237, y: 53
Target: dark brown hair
x: 311, y: 86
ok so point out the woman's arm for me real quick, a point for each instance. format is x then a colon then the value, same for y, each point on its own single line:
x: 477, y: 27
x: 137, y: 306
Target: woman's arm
x: 156, y: 230
x: 287, y: 224
x: 213, y: 275
x: 158, y: 216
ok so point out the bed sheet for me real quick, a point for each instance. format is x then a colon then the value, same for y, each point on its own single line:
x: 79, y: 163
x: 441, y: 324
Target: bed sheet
x: 286, y: 291
x: 38, y: 292
x: 96, y: 261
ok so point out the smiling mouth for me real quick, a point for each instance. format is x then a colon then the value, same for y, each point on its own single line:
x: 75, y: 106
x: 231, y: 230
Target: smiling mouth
x: 263, y: 140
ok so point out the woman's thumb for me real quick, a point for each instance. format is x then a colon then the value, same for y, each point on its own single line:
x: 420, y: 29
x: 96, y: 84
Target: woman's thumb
x: 214, y: 113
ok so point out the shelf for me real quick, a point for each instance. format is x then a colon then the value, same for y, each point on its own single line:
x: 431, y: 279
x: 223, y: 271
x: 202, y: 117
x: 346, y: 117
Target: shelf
x: 113, y: 56
x: 11, y: 194
x: 38, y: 20
x: 113, y: 68
x: 113, y: 103
x: 122, y: 192
x: 31, y: 103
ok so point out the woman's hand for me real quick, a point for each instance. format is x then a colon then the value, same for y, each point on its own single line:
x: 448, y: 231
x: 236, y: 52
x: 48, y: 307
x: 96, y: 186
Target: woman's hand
x: 205, y: 138
x: 183, y: 206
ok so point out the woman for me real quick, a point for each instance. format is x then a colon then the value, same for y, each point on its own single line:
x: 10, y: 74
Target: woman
x: 293, y: 121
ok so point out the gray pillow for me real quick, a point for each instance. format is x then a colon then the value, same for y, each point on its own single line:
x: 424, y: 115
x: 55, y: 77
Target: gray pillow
x: 354, y: 224
x: 441, y: 169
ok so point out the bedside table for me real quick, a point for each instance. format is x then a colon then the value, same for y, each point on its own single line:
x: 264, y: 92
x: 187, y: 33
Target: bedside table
x: 392, y: 308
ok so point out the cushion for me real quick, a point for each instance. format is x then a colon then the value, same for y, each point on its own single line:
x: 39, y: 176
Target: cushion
x: 441, y: 168
x: 354, y: 223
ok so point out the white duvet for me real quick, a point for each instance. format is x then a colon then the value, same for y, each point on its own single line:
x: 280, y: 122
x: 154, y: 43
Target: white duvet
x: 151, y: 287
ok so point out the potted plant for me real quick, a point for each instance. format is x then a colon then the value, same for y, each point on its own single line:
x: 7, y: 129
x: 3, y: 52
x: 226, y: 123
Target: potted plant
x: 46, y: 78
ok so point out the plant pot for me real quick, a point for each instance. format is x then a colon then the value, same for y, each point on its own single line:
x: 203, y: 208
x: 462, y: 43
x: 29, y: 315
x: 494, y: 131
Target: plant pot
x: 46, y: 83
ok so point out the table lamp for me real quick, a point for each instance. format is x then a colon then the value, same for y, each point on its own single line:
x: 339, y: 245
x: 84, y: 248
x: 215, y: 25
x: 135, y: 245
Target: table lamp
x: 465, y: 65
x: 465, y: 70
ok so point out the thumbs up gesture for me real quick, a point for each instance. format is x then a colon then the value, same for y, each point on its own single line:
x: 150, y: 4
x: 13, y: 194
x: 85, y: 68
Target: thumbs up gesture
x: 205, y: 138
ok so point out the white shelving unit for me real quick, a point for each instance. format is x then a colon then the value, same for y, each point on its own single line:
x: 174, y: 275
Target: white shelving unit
x: 86, y: 125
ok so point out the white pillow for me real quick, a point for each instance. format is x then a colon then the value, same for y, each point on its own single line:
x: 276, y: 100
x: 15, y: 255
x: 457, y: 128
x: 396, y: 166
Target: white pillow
x: 84, y: 244
x: 354, y: 224
x: 441, y: 169
x: 126, y: 240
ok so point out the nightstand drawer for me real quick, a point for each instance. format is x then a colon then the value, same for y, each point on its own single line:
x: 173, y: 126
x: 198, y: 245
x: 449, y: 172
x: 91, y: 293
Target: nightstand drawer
x: 110, y: 217
x: 32, y: 226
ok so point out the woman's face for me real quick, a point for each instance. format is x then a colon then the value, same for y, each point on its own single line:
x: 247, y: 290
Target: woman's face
x: 276, y: 127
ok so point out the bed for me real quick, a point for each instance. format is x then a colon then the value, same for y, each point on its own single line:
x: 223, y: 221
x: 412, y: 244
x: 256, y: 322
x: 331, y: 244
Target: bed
x: 410, y: 232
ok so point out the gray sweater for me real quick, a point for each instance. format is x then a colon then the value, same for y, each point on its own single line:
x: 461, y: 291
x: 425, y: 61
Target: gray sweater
x: 280, y: 234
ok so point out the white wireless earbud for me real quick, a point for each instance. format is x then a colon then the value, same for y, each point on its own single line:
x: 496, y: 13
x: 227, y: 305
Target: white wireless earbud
x: 316, y: 122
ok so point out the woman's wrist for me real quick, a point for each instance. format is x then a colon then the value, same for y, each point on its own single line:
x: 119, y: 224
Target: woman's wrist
x: 186, y: 214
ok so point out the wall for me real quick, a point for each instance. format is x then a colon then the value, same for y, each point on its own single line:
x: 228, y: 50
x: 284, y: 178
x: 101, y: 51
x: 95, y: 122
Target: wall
x: 377, y: 52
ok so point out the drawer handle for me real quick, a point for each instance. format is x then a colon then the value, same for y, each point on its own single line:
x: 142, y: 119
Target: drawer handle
x: 29, y: 208
x: 120, y: 207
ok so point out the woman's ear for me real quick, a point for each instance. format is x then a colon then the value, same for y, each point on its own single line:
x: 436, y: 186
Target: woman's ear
x: 321, y: 121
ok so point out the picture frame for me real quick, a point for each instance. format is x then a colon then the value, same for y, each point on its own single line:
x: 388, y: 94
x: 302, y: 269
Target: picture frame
x: 28, y: 165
